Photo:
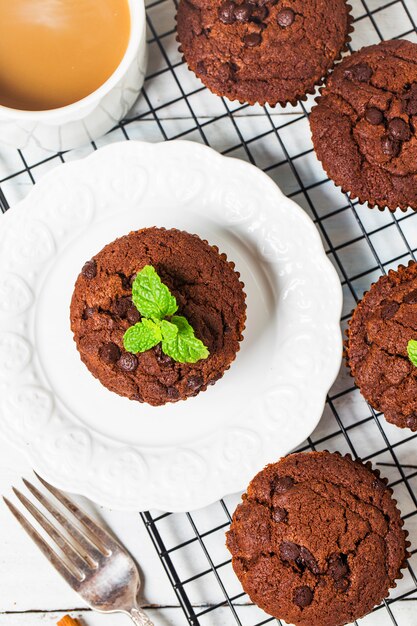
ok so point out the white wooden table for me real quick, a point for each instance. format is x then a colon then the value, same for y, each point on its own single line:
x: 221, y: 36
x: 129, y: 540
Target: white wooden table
x: 31, y: 593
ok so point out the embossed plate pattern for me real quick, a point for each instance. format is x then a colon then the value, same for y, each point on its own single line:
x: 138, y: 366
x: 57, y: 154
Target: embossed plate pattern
x: 80, y: 436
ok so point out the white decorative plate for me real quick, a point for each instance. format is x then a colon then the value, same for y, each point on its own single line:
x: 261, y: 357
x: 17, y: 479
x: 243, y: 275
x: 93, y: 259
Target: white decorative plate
x: 126, y: 455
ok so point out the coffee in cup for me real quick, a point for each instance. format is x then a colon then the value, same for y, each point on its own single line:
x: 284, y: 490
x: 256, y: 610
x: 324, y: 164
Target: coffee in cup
x: 55, y: 52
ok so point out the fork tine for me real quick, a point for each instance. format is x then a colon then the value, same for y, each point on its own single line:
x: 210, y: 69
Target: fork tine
x: 91, y: 552
x: 54, y: 534
x: 50, y: 554
x: 99, y: 533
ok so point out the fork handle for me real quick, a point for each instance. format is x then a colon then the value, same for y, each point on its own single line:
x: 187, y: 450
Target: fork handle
x: 140, y: 618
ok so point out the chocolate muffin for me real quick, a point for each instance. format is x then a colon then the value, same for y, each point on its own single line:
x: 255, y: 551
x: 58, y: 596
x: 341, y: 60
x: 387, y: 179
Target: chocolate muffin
x: 265, y: 51
x: 381, y: 326
x: 364, y: 126
x: 317, y: 540
x: 208, y: 293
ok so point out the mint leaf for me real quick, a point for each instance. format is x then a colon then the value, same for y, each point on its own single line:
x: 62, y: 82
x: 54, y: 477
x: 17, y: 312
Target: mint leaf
x: 178, y: 324
x: 185, y: 349
x: 151, y: 297
x: 169, y: 331
x: 412, y: 351
x: 180, y: 343
x: 182, y: 324
x: 142, y: 336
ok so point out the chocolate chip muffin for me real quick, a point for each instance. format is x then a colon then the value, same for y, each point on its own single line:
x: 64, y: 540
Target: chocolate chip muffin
x: 381, y: 327
x: 265, y: 51
x: 208, y: 293
x: 364, y: 126
x: 317, y: 540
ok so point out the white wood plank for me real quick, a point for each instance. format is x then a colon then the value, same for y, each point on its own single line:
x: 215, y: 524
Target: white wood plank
x: 28, y: 581
x: 404, y: 613
x: 160, y: 617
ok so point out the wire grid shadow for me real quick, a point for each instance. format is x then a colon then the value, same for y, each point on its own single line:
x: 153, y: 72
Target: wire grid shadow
x: 361, y: 243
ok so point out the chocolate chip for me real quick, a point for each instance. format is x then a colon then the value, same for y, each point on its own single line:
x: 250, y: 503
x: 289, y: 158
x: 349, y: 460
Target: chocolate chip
x: 374, y: 116
x: 133, y: 315
x: 252, y: 40
x: 121, y: 306
x: 225, y: 72
x: 390, y: 147
x: 215, y: 378
x: 338, y: 569
x: 361, y: 72
x: 289, y: 551
x: 308, y: 560
x: 195, y: 382
x: 399, y: 129
x: 379, y: 485
x: 227, y: 12
x: 281, y: 485
x: 128, y: 362
x: 285, y: 17
x: 109, y: 352
x: 89, y: 270
x: 243, y: 12
x: 125, y: 281
x: 389, y: 310
x: 201, y: 68
x: 303, y: 596
x: 411, y: 298
x: 88, y: 312
x: 279, y: 514
x: 342, y: 584
x: 411, y: 421
x: 259, y: 13
x: 409, y: 100
x: 161, y: 357
x: 173, y: 393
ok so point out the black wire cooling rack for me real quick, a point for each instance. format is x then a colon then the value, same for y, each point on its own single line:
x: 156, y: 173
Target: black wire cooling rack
x: 361, y: 243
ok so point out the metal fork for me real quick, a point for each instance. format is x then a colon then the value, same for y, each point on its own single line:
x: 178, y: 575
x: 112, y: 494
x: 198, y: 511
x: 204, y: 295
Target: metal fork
x: 95, y: 565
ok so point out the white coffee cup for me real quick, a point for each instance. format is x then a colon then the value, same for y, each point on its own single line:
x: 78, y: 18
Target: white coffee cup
x: 83, y: 121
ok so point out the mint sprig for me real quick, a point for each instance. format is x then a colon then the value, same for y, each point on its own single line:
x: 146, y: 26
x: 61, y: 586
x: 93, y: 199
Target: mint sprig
x: 412, y: 351
x: 151, y: 297
x: 155, y: 303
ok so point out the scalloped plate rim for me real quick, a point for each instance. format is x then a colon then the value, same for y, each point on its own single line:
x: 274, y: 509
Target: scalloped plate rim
x: 215, y: 492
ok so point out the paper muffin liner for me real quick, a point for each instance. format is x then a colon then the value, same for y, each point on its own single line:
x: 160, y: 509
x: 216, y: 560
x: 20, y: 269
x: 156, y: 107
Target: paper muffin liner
x: 400, y: 268
x: 301, y: 97
x: 353, y: 197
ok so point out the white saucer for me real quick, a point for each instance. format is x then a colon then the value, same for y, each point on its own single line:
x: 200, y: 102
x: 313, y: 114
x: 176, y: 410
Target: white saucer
x: 126, y: 455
